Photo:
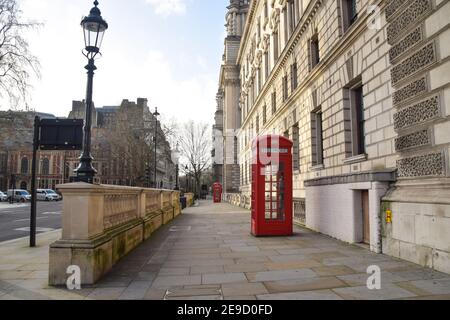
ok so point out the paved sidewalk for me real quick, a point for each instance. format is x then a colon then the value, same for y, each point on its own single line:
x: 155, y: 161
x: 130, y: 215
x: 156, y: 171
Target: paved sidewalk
x: 207, y: 253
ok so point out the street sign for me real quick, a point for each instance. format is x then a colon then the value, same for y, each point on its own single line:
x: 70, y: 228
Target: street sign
x: 51, y: 134
x: 61, y: 134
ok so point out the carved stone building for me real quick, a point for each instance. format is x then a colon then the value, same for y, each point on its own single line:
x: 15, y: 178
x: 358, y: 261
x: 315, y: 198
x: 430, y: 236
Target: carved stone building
x: 362, y: 88
x: 16, y: 138
x: 228, y: 120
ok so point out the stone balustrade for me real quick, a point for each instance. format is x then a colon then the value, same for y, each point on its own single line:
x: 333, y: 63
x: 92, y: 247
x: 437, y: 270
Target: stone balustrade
x: 189, y: 199
x: 238, y: 200
x: 102, y: 224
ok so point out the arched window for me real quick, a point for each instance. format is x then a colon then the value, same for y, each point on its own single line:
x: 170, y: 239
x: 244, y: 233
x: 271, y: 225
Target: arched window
x: 45, y: 166
x: 24, y: 166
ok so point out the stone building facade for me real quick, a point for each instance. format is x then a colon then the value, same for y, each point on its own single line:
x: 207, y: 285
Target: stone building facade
x: 362, y: 89
x: 228, y: 119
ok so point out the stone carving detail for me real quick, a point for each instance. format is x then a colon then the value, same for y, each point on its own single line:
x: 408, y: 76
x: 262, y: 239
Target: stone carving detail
x: 421, y: 112
x: 428, y: 165
x: 407, y: 18
x: 416, y: 139
x: 393, y: 6
x: 407, y: 42
x: 417, y: 61
x: 411, y: 90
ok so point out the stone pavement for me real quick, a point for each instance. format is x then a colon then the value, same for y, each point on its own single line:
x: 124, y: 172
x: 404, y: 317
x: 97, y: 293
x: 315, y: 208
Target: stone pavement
x: 208, y: 254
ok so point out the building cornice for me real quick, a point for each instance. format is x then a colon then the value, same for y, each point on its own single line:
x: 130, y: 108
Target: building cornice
x: 248, y: 25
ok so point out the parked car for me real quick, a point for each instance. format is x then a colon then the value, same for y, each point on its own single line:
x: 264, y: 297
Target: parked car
x: 3, y: 197
x: 47, y: 195
x: 19, y: 195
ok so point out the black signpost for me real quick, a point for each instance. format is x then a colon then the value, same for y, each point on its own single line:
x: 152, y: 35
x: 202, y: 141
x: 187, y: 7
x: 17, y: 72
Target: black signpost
x: 52, y: 134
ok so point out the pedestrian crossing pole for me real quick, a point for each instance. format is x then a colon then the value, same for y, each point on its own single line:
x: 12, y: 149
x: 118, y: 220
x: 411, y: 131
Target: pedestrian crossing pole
x: 37, y: 122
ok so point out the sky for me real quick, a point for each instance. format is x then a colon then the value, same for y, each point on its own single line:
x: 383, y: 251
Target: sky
x: 168, y: 51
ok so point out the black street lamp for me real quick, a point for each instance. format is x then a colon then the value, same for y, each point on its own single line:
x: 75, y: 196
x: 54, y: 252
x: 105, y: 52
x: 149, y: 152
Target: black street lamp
x: 94, y: 28
x: 156, y: 115
x: 176, y: 161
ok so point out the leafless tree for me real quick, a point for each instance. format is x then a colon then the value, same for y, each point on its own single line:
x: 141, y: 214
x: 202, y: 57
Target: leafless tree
x: 170, y: 128
x: 195, y: 146
x: 130, y: 147
x: 16, y: 61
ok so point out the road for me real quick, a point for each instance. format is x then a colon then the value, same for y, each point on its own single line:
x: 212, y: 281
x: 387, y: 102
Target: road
x: 15, y: 219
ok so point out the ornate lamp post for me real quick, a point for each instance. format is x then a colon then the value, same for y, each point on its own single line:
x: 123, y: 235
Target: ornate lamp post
x: 187, y: 178
x: 176, y: 160
x: 156, y: 115
x: 94, y: 28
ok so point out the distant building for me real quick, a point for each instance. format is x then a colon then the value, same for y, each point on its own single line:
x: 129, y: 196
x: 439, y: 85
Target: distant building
x: 226, y: 168
x: 113, y: 167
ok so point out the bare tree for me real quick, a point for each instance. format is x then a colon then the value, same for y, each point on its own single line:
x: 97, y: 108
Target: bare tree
x: 170, y: 128
x: 195, y: 146
x: 16, y: 61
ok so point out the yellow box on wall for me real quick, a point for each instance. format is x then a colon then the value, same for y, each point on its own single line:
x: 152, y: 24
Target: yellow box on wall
x: 388, y: 216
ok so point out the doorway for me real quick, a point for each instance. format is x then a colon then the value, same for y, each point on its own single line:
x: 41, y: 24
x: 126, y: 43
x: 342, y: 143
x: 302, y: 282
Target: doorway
x: 365, y: 216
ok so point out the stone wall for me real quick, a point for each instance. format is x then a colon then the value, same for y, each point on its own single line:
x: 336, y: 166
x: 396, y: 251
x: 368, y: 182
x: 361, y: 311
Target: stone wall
x: 419, y: 231
x: 102, y: 224
x: 419, y: 35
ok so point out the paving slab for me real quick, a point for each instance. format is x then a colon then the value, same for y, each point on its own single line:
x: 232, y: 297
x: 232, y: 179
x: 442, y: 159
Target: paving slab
x: 243, y: 289
x: 308, y: 284
x: 280, y: 275
x: 106, y: 293
x: 436, y: 286
x: 303, y: 295
x: 360, y: 279
x: 333, y: 270
x: 169, y: 281
x: 221, y: 278
x: 387, y: 292
x: 136, y: 290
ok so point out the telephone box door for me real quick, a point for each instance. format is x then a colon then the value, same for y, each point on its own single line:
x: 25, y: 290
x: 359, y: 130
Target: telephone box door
x: 272, y: 187
x: 217, y: 192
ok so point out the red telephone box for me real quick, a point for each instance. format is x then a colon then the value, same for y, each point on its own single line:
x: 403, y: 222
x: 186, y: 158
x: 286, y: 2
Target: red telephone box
x: 217, y: 192
x: 272, y: 186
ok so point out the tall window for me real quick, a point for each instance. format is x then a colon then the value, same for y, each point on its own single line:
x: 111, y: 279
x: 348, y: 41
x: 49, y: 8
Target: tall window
x: 317, y: 137
x: 24, y: 166
x: 266, y: 10
x: 45, y: 166
x: 356, y: 99
x: 259, y: 29
x: 292, y: 9
x: 286, y: 25
x: 296, y: 148
x: 349, y: 13
x: 294, y: 79
x: 314, y: 51
x: 275, y: 45
x: 259, y: 80
x: 257, y: 125
x: 266, y: 64
x: 285, y: 88
x: 274, y: 102
x: 264, y: 114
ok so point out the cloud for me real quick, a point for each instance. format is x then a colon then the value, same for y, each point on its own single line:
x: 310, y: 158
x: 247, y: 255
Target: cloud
x: 168, y: 7
x: 181, y: 96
